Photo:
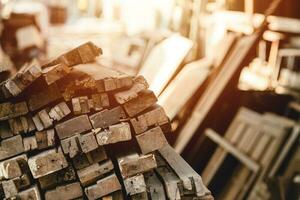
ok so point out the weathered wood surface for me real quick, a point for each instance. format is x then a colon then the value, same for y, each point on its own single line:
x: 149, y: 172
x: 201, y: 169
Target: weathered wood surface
x: 93, y: 172
x: 44, y: 97
x: 107, y: 118
x: 73, y: 126
x: 26, y: 76
x: 116, y: 133
x: 190, y: 179
x: 151, y: 140
x: 135, y: 106
x: 154, y: 186
x: 47, y: 162
x: 84, y: 105
x: 139, y: 85
x: 56, y: 72
x: 70, y: 191
x: 9, y: 110
x: 155, y: 117
x: 133, y: 164
x: 135, y: 185
x: 103, y: 187
x: 11, y: 147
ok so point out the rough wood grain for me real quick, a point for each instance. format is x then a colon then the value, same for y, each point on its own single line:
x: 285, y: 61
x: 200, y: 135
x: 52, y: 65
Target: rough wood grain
x: 139, y: 85
x: 73, y: 126
x: 69, y: 191
x: 47, y: 162
x: 93, y: 172
x: 190, y: 179
x: 135, y: 185
x: 154, y: 187
x: 31, y: 193
x: 11, y: 147
x: 151, y: 140
x: 155, y: 117
x: 47, y: 95
x: 116, y: 133
x: 135, y: 106
x: 133, y: 164
x: 56, y: 72
x: 107, y: 118
x: 25, y: 77
x: 103, y: 187
x: 9, y: 110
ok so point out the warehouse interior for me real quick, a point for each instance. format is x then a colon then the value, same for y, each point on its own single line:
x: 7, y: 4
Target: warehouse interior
x: 220, y: 79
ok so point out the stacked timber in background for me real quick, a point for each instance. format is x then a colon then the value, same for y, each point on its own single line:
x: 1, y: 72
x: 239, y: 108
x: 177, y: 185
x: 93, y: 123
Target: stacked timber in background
x: 72, y: 129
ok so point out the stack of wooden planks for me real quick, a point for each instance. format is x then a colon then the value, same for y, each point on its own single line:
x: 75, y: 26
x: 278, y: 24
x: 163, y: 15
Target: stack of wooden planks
x: 72, y: 129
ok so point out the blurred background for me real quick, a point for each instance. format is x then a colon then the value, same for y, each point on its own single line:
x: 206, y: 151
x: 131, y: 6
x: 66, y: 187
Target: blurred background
x: 227, y: 73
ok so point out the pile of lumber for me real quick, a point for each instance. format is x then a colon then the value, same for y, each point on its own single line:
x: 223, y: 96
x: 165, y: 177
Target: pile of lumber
x: 72, y: 129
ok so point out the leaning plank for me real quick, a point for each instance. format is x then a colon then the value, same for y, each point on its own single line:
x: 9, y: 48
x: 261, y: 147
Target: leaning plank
x: 215, y: 89
x: 154, y: 186
x: 163, y: 61
x: 186, y: 173
x: 184, y: 85
x: 170, y: 181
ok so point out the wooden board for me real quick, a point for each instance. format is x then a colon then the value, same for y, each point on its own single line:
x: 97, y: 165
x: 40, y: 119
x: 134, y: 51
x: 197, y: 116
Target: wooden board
x: 164, y: 60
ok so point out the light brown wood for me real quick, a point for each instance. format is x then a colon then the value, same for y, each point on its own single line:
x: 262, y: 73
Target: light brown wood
x: 116, y: 133
x: 133, y: 164
x: 156, y: 116
x: 73, y: 126
x: 47, y: 162
x: 93, y: 172
x: 151, y: 140
x: 69, y: 191
x: 135, y: 106
x: 103, y: 187
x: 11, y: 147
x: 135, y: 185
x: 56, y: 72
x: 107, y: 118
